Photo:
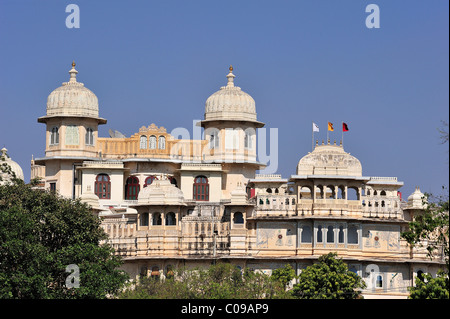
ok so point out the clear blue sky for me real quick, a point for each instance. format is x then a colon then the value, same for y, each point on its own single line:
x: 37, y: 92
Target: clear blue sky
x: 302, y: 61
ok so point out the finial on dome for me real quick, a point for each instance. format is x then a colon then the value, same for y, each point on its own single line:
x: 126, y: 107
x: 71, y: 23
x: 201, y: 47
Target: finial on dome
x: 230, y: 77
x: 73, y: 73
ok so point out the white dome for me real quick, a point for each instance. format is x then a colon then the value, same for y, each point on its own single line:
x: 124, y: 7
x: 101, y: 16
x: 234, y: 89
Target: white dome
x: 417, y: 199
x: 230, y: 103
x: 90, y: 198
x: 329, y: 160
x: 14, y: 167
x: 161, y: 192
x: 72, y: 99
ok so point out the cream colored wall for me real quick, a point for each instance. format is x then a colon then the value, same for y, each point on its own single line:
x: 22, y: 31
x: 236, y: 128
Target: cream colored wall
x: 71, y: 150
x: 117, y: 184
x: 61, y: 173
x: 225, y: 153
x: 214, y: 180
x: 236, y: 175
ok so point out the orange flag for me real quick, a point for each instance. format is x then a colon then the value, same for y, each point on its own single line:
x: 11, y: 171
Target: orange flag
x: 330, y: 126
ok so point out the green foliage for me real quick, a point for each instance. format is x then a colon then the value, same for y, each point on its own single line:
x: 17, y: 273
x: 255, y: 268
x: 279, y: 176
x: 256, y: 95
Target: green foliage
x: 328, y: 279
x: 220, y: 281
x: 40, y: 234
x: 431, y: 226
x: 284, y: 275
x: 431, y: 288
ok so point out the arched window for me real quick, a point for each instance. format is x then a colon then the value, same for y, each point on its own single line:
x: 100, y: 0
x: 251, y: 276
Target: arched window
x: 238, y: 218
x: 155, y: 272
x: 143, y: 142
x: 54, y: 136
x: 353, y: 193
x: 383, y: 193
x: 331, y: 193
x: 149, y: 180
x: 173, y: 181
x: 341, y: 192
x: 144, y: 219
x: 353, y: 269
x: 330, y: 234
x: 169, y: 272
x: 341, y: 234
x: 102, y: 186
x: 157, y: 219
x: 152, y: 142
x: 305, y: 192
x: 248, y: 138
x: 319, y: 234
x: 269, y: 191
x: 170, y: 219
x: 89, y: 136
x: 214, y: 140
x: 143, y: 272
x: 352, y: 234
x: 420, y: 275
x: 162, y: 143
x: 132, y: 188
x: 379, y: 281
x: 201, y: 188
x: 320, y: 193
x: 306, y: 234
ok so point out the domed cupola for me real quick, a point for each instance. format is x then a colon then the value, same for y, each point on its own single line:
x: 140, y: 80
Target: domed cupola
x: 329, y: 159
x: 230, y: 103
x: 72, y: 99
x: 417, y: 200
x: 161, y: 192
x: 5, y: 177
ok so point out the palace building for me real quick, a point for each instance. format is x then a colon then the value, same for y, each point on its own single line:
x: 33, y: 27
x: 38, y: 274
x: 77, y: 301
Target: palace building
x: 168, y: 203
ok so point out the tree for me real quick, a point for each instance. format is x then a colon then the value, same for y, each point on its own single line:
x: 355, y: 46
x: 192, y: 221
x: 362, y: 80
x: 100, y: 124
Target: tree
x: 443, y: 131
x: 219, y: 281
x: 284, y: 275
x: 41, y: 233
x: 430, y: 229
x: 428, y: 287
x: 328, y: 279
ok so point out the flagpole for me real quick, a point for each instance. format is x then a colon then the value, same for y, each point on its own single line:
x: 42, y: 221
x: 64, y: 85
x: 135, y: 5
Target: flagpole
x: 342, y: 134
x: 312, y: 144
x: 328, y: 129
